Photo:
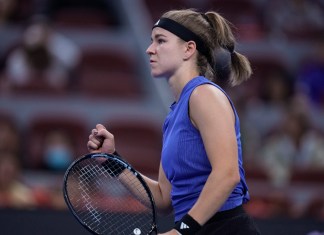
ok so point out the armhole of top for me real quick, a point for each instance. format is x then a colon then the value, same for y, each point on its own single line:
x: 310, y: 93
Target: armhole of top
x: 193, y: 125
x: 229, y: 100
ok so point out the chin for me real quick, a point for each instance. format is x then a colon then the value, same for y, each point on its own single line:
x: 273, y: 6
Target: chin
x: 156, y: 75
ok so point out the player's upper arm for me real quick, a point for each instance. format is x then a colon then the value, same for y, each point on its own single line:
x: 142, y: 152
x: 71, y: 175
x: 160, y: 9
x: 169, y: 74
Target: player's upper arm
x: 212, y: 114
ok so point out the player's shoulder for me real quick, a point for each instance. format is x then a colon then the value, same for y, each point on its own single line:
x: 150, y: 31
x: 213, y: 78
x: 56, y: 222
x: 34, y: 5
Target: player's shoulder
x: 208, y: 91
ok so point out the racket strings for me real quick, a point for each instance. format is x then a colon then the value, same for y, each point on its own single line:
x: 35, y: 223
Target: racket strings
x: 108, y: 204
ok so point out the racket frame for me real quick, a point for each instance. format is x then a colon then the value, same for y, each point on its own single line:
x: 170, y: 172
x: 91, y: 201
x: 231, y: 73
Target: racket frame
x: 127, y: 166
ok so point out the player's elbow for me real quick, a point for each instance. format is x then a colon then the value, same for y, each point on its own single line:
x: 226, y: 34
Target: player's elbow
x: 163, y: 202
x: 233, y: 177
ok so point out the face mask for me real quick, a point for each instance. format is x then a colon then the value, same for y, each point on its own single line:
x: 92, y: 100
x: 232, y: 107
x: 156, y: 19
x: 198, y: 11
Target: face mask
x: 58, y: 157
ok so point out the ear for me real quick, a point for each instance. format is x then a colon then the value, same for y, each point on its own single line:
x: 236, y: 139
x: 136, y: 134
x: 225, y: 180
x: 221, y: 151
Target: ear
x: 190, y: 50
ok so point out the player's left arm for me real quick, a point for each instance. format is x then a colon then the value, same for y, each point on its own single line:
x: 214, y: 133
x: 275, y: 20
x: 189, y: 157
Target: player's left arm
x: 212, y: 114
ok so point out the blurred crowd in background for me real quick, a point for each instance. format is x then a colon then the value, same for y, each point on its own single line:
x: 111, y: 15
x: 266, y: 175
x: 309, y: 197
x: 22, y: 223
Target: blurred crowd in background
x: 281, y: 108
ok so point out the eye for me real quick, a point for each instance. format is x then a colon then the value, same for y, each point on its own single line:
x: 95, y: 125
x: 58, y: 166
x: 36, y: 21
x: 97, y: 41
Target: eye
x: 160, y: 41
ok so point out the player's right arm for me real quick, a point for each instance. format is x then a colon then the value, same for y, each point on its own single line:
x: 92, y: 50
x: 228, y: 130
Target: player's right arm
x: 161, y: 191
x: 101, y: 140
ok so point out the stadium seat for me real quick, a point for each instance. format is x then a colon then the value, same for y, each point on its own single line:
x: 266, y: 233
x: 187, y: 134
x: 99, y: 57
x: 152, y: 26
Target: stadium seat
x: 248, y: 22
x: 83, y: 14
x: 157, y: 8
x: 139, y: 142
x: 82, y: 18
x: 109, y: 73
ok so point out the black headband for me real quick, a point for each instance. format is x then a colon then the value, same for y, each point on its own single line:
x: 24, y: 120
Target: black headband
x: 183, y: 33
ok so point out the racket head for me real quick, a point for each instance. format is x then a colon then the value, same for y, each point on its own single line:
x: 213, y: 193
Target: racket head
x: 105, y: 203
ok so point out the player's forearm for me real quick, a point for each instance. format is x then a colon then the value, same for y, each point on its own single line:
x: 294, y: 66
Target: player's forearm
x: 217, y: 189
x: 161, y: 198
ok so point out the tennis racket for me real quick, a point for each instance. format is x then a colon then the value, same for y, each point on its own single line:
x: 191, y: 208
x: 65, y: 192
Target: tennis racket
x: 107, y: 196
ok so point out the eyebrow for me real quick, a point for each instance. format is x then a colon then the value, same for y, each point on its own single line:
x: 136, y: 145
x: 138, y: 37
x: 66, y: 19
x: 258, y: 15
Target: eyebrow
x: 158, y: 35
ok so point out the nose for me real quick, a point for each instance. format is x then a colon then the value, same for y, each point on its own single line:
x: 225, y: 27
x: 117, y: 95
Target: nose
x: 150, y: 49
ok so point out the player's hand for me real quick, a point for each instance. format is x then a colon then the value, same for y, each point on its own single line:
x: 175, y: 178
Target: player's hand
x: 101, y: 140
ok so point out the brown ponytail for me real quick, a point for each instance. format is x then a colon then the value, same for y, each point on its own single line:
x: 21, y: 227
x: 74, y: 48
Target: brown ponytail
x: 224, y: 38
x: 216, y: 32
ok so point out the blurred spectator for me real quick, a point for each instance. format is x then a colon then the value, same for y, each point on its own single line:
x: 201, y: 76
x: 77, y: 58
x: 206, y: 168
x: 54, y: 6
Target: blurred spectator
x: 9, y: 136
x: 13, y: 192
x: 44, y: 56
x: 310, y: 81
x: 15, y: 12
x: 57, y: 200
x: 295, y: 144
x: 294, y: 19
x: 310, y: 78
x: 58, y: 150
x: 7, y: 8
x: 265, y: 109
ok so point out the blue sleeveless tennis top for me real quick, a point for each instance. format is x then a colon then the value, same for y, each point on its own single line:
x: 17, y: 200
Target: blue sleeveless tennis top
x: 184, y: 159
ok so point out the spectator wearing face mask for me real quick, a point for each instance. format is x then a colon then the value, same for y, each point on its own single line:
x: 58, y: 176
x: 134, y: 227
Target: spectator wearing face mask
x: 58, y: 151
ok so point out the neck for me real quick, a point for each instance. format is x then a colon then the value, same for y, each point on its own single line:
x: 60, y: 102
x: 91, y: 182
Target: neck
x: 178, y: 82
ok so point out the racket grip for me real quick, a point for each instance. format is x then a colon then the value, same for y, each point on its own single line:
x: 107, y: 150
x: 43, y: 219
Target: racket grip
x: 114, y: 168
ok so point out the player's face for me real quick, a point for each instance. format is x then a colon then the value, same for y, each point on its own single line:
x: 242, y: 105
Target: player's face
x: 165, y: 53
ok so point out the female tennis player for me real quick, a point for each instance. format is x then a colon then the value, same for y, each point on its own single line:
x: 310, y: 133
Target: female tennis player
x: 201, y: 177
